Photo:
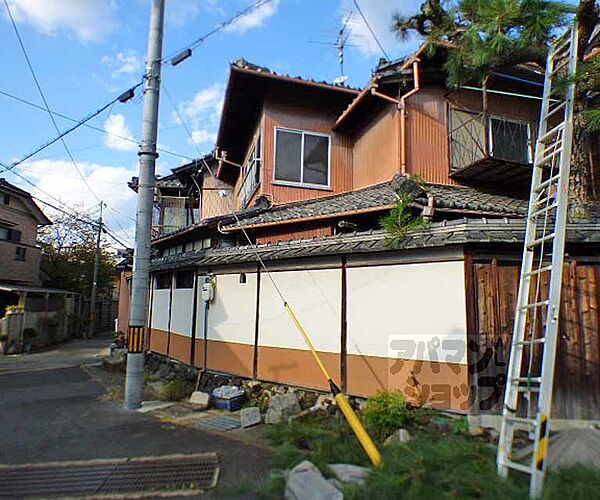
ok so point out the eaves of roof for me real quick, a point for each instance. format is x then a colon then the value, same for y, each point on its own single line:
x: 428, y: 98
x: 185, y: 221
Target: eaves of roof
x: 440, y: 234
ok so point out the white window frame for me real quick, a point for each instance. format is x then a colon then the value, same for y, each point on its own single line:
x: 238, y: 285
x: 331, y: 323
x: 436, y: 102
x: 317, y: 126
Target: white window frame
x: 302, y: 184
x: 530, y: 145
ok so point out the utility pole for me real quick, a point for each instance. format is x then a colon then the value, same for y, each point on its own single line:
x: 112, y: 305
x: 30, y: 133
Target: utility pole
x: 94, y: 293
x: 134, y: 380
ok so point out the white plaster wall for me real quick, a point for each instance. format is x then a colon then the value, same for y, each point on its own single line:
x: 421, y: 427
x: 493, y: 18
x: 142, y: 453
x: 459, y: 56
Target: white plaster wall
x: 181, y: 311
x: 160, y: 309
x: 231, y: 316
x: 315, y: 297
x: 420, y: 305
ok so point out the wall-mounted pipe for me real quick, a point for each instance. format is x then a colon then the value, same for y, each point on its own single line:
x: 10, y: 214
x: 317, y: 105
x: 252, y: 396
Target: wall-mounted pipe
x: 414, y: 90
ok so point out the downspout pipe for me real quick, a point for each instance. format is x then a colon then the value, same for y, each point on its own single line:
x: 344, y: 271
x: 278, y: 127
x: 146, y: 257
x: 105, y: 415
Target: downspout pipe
x: 414, y: 90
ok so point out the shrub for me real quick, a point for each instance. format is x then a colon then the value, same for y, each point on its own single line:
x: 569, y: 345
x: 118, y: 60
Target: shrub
x: 175, y: 390
x: 385, y: 413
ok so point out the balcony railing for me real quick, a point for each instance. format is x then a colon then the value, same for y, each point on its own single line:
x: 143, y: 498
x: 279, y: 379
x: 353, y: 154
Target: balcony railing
x: 172, y: 213
x: 488, y: 146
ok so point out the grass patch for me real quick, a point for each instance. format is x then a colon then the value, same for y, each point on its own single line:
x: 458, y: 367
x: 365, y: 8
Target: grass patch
x: 449, y: 467
x: 114, y: 393
x: 316, y: 438
x: 576, y: 482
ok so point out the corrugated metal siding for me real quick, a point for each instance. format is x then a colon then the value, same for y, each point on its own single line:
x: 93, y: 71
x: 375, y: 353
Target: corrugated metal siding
x: 308, y: 117
x: 427, y: 136
x: 427, y: 126
x: 377, y: 149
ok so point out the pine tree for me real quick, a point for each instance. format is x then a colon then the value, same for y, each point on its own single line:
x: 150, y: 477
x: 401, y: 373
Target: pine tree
x: 484, y: 36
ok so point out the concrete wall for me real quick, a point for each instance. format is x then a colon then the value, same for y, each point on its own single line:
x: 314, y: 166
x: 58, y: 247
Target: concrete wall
x: 406, y: 328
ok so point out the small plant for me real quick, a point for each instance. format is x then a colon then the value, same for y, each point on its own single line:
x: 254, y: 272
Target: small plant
x: 3, y: 337
x: 385, y: 413
x: 401, y: 221
x: 175, y: 390
x: 15, y: 309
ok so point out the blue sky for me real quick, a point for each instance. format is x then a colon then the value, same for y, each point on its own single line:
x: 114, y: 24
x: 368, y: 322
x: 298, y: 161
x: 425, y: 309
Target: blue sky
x: 86, y: 52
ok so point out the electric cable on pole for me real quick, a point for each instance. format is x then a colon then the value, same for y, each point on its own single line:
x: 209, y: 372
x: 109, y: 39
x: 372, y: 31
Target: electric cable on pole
x: 92, y: 323
x: 134, y: 379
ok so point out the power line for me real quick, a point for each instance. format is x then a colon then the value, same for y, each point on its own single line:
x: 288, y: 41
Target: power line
x: 78, y: 124
x: 183, y: 122
x: 251, y: 8
x: 39, y: 87
x: 62, y: 210
x: 60, y: 115
x: 370, y: 29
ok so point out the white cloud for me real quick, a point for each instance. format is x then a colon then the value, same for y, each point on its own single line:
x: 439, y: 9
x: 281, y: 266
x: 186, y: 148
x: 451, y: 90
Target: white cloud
x: 201, y: 136
x: 124, y: 63
x: 255, y: 18
x: 60, y: 179
x: 90, y: 20
x: 379, y: 15
x: 115, y: 124
x: 202, y: 113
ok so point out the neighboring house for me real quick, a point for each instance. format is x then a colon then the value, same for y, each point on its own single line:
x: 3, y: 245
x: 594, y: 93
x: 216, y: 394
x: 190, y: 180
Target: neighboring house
x: 20, y: 218
x: 310, y: 169
x: 44, y: 312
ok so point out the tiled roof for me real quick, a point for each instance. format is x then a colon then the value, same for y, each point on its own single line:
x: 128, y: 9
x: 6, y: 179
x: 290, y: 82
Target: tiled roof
x: 381, y: 196
x: 248, y: 66
x: 439, y: 234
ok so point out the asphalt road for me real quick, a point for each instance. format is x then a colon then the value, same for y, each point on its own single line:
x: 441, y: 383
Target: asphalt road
x: 55, y: 414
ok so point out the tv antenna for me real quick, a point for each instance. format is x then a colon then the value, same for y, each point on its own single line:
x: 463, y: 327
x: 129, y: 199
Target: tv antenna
x: 340, y: 43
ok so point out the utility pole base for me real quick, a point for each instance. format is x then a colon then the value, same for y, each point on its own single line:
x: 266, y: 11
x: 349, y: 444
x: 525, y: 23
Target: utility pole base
x: 134, y: 380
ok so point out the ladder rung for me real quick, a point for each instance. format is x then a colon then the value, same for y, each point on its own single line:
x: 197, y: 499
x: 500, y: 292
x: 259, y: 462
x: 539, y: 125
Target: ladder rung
x: 535, y: 304
x: 517, y: 466
x: 520, y: 388
x: 539, y: 271
x: 558, y: 108
x: 559, y: 66
x: 552, y: 132
x: 542, y: 210
x: 542, y: 239
x: 527, y: 380
x: 547, y: 182
x: 562, y: 42
x: 540, y: 340
x: 549, y: 156
x: 521, y: 420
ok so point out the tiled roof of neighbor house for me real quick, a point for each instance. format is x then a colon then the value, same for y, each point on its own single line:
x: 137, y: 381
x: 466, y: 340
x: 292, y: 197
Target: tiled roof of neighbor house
x: 381, y: 196
x: 168, y: 181
x: 219, y: 220
x: 439, y: 234
x: 242, y: 64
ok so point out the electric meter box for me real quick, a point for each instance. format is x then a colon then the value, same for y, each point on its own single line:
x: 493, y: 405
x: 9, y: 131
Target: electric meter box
x: 208, y: 291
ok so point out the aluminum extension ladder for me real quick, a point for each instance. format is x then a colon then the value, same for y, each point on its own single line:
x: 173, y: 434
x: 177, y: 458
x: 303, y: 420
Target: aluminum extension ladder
x: 528, y: 394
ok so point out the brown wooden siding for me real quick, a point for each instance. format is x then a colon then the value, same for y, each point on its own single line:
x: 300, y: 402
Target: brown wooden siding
x: 213, y: 203
x: 427, y: 126
x: 307, y: 116
x: 377, y: 149
x: 577, y: 377
x: 294, y: 232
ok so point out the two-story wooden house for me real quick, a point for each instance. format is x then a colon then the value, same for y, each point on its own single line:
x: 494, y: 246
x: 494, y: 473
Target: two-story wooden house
x: 291, y: 203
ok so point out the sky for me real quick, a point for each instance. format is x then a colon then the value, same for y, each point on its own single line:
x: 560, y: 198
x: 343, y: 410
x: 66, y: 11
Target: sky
x: 87, y: 52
